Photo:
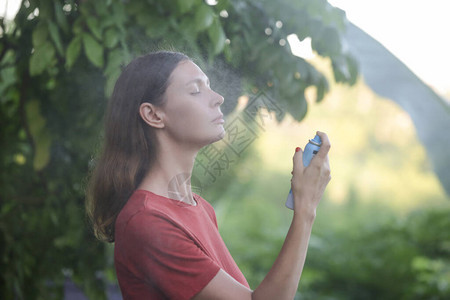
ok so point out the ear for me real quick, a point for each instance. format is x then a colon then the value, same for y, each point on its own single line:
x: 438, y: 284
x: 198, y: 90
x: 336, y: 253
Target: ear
x: 151, y: 115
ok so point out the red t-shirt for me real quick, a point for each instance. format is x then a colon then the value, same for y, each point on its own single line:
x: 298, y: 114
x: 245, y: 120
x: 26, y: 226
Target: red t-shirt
x: 167, y: 249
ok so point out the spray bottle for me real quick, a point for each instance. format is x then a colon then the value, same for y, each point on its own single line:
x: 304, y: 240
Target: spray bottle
x: 311, y: 149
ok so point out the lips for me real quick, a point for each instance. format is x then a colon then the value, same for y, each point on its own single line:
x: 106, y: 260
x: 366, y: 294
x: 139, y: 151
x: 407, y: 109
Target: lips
x: 219, y: 119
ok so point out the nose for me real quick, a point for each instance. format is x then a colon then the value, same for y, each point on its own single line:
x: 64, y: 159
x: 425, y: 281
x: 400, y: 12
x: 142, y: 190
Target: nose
x: 218, y: 99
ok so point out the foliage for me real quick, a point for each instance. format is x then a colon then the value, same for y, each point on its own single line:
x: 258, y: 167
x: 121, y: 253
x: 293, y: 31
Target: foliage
x: 58, y: 63
x: 394, y: 259
x: 375, y: 255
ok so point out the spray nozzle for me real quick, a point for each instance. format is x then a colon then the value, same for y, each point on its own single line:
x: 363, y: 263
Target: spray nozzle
x: 316, y: 141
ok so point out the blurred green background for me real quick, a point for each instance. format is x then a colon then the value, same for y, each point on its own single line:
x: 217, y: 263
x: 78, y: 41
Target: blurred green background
x: 382, y: 228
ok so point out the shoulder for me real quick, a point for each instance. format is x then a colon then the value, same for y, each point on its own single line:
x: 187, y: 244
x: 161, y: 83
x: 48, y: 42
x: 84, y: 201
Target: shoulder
x: 141, y: 213
x: 208, y: 208
x: 143, y: 202
x: 203, y: 202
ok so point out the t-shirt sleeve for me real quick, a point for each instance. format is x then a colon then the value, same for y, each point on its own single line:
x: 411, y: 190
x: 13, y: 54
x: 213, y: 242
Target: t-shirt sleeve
x: 165, y: 256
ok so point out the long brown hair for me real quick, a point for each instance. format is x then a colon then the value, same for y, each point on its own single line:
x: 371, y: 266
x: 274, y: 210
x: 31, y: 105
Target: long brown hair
x: 129, y: 145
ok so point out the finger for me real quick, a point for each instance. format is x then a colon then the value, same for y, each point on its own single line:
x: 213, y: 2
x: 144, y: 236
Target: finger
x: 325, y: 148
x: 327, y: 168
x: 297, y: 161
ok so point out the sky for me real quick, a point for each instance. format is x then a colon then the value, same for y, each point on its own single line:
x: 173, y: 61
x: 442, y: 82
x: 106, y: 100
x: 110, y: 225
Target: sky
x: 416, y: 31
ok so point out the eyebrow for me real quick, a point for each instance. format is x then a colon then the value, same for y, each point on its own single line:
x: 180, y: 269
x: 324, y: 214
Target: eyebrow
x: 198, y: 80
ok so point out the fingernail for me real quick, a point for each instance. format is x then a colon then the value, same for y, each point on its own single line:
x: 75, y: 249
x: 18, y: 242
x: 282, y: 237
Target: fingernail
x: 297, y: 149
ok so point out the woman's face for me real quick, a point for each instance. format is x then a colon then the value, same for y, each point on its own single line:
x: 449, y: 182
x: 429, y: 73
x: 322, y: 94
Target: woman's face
x: 192, y: 109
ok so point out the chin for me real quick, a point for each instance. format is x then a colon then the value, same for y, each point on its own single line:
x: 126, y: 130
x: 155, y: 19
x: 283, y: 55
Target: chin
x: 218, y: 136
x: 221, y: 135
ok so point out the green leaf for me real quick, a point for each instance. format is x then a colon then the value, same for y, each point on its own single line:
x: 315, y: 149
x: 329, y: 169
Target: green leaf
x: 142, y: 18
x: 45, y: 10
x: 42, y: 151
x: 61, y: 17
x: 39, y: 132
x: 135, y: 7
x: 109, y: 20
x: 282, y: 72
x: 187, y: 29
x: 328, y: 42
x: 40, y: 34
x: 72, y: 52
x: 115, y: 60
x: 94, y: 27
x: 185, y: 5
x: 8, y: 57
x: 268, y: 59
x: 8, y: 77
x: 228, y: 54
x: 110, y: 82
x: 217, y: 36
x: 119, y: 14
x: 222, y: 4
x: 341, y: 69
x: 291, y: 89
x: 298, y: 107
x: 93, y: 50
x: 204, y: 17
x: 111, y: 38
x: 54, y: 34
x: 101, y: 7
x: 41, y: 58
x: 77, y: 27
x: 155, y: 27
x: 322, y: 88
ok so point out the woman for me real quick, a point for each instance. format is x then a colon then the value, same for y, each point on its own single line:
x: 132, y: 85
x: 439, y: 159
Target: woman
x: 167, y: 245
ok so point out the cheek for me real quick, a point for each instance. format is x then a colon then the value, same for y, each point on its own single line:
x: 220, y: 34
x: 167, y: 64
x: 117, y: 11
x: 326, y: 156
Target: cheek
x: 187, y: 116
x: 188, y: 113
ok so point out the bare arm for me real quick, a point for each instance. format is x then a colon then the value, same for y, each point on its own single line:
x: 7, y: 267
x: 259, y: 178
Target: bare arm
x: 308, y: 185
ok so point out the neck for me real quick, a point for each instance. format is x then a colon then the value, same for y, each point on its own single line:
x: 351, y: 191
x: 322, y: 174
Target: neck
x: 170, y: 175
